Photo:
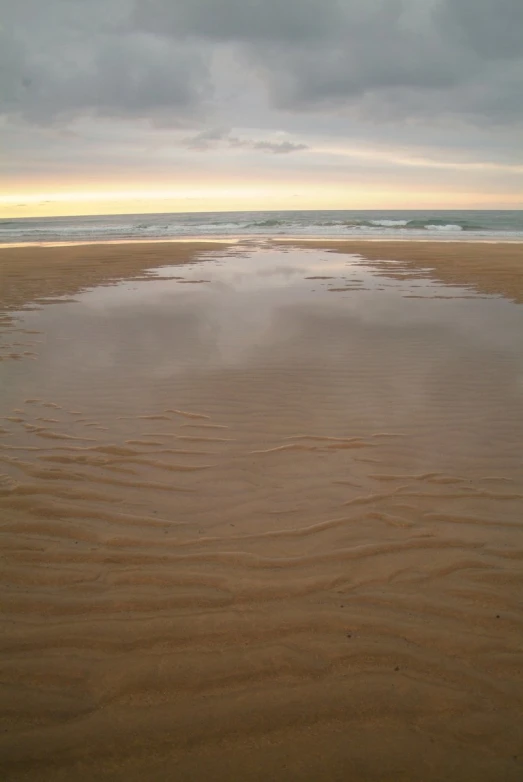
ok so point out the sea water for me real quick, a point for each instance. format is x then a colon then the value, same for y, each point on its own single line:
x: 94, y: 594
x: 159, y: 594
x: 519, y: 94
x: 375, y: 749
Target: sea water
x: 506, y: 225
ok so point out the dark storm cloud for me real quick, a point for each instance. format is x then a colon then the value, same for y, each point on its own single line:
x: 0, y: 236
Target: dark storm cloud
x: 379, y: 58
x: 242, y: 20
x: 491, y: 28
x: 383, y: 57
x: 407, y: 59
x: 67, y: 57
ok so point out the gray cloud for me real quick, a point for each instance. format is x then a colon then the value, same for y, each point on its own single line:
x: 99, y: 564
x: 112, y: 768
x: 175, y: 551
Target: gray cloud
x: 491, y: 28
x: 279, y: 147
x: 61, y: 59
x: 146, y: 85
x: 206, y: 139
x: 214, y: 137
x: 383, y: 57
x: 379, y: 58
x: 407, y: 59
x: 242, y: 20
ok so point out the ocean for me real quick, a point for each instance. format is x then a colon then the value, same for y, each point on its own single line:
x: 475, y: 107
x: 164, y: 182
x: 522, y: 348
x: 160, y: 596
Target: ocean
x: 505, y: 225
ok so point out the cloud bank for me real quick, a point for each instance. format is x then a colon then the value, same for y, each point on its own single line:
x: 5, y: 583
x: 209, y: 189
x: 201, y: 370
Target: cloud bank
x: 403, y: 57
x: 440, y: 79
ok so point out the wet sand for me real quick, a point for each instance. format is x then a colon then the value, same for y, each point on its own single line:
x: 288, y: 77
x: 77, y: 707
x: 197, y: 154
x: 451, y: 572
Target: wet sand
x: 487, y: 267
x: 261, y: 517
x: 31, y: 273
x: 44, y: 272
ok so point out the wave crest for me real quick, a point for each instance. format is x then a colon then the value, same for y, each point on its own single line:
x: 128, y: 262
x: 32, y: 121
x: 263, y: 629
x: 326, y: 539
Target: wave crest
x: 326, y: 223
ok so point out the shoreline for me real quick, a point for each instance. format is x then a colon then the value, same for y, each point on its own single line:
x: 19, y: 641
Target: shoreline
x: 235, y: 238
x: 31, y: 273
x: 111, y: 242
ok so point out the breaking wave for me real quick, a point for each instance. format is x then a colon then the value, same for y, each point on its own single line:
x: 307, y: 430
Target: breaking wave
x: 229, y: 224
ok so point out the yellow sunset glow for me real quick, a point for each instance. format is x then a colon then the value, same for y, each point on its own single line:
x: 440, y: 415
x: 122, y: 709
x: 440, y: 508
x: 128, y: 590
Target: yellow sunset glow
x: 58, y: 201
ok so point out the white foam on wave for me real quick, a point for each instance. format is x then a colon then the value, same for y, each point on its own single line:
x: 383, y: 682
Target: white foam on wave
x: 389, y: 223
x: 236, y: 224
x: 67, y: 231
x: 449, y: 227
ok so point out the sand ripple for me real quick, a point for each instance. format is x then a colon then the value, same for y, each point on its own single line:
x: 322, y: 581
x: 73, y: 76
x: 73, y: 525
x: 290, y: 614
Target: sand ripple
x: 261, y: 570
x: 204, y: 600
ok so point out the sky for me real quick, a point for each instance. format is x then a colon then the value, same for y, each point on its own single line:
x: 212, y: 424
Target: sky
x: 129, y: 106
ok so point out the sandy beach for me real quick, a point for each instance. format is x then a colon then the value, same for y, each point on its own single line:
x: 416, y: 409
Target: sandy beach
x: 261, y: 511
x: 495, y: 268
x: 45, y: 272
x: 31, y: 273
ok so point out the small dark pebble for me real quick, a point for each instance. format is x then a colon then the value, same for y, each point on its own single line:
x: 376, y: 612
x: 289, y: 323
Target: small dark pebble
x: 498, y: 616
x: 397, y: 668
x: 349, y: 635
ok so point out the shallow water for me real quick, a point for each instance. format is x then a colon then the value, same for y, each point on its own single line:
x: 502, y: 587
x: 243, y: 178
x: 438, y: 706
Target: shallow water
x: 256, y: 505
